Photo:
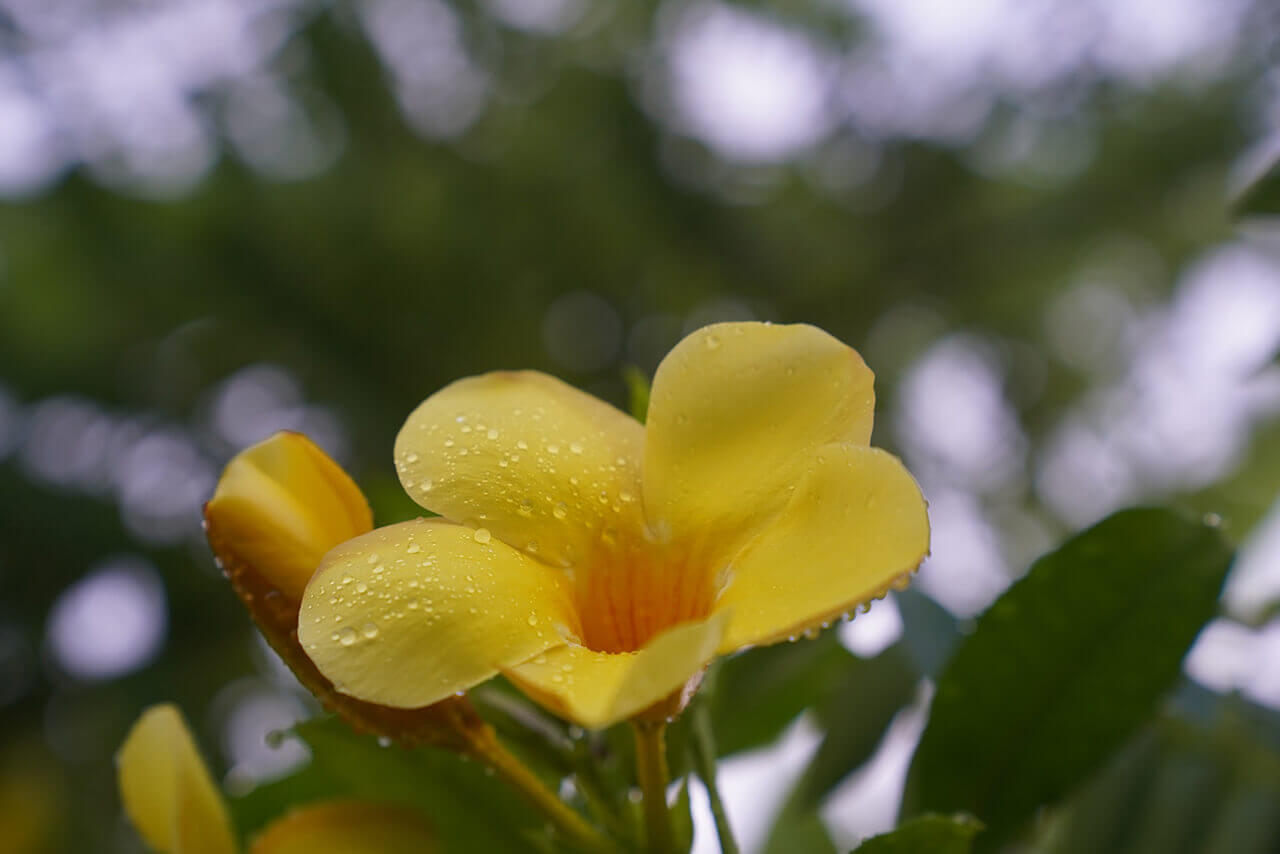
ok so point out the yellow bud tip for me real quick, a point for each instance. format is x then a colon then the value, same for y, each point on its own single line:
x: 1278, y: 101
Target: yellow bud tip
x: 280, y: 506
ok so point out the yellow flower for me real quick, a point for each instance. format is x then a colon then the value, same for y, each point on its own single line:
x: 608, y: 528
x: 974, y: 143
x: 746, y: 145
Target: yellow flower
x: 601, y: 564
x: 177, y: 809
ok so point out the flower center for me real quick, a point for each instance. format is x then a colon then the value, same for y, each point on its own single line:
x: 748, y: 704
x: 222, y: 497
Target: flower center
x: 627, y: 596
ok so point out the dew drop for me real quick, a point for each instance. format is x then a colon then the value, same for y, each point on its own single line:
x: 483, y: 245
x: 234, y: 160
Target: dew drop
x: 553, y: 449
x: 425, y: 485
x: 561, y: 510
x: 448, y: 443
x: 347, y: 636
x: 413, y: 604
x: 411, y: 458
x: 522, y: 445
x: 346, y: 579
x: 491, y: 434
x: 482, y: 535
x: 369, y: 630
x: 713, y: 341
x: 532, y: 547
x: 362, y: 587
x: 533, y: 620
x: 575, y: 447
x: 526, y: 508
x: 413, y: 548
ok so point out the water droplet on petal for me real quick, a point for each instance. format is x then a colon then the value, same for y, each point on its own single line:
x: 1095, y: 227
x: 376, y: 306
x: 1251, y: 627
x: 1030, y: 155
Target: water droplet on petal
x: 347, y: 636
x: 482, y: 535
x: 553, y: 449
x: 561, y: 510
x: 369, y: 630
x: 411, y: 458
x: 492, y: 434
x: 713, y: 341
x: 413, y: 548
x: 575, y: 447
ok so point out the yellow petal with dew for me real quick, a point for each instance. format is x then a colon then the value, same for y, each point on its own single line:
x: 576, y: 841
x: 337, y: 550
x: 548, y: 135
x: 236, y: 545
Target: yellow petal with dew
x: 599, y: 689
x: 545, y: 467
x: 280, y: 505
x: 412, y: 613
x: 735, y: 412
x: 347, y: 827
x: 166, y: 788
x: 855, y: 526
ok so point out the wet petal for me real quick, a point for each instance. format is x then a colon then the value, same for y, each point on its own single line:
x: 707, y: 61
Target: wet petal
x: 347, y: 827
x: 166, y: 788
x: 856, y: 524
x: 280, y: 505
x: 737, y: 409
x: 545, y: 467
x: 409, y: 614
x: 598, y: 689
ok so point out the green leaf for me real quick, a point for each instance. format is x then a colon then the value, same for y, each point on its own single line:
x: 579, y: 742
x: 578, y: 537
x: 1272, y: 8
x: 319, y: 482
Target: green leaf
x: 799, y: 831
x: 1260, y: 195
x: 682, y: 818
x: 928, y: 834
x: 872, y: 693
x: 637, y: 392
x: 760, y: 691
x: 1065, y: 666
x: 469, y: 809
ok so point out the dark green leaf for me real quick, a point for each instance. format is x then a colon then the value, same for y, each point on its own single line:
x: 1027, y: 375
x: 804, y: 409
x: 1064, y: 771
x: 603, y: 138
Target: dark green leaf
x: 929, y: 632
x: 469, y: 809
x: 928, y: 834
x: 1065, y: 666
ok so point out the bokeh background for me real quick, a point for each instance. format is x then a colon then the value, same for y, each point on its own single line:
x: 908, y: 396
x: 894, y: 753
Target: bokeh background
x: 221, y: 218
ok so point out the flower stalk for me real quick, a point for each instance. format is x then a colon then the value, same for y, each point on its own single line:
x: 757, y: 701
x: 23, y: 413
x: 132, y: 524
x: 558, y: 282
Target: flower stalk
x: 653, y: 776
x: 486, y: 748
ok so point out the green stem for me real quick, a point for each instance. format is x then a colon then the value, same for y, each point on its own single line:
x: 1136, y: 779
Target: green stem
x: 572, y: 825
x: 651, y: 769
x: 704, y: 758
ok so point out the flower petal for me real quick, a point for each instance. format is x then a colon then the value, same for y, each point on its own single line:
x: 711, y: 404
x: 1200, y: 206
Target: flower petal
x: 412, y: 613
x: 166, y: 788
x: 281, y: 504
x: 736, y: 411
x: 542, y: 465
x: 598, y: 689
x: 347, y: 827
x: 856, y: 524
